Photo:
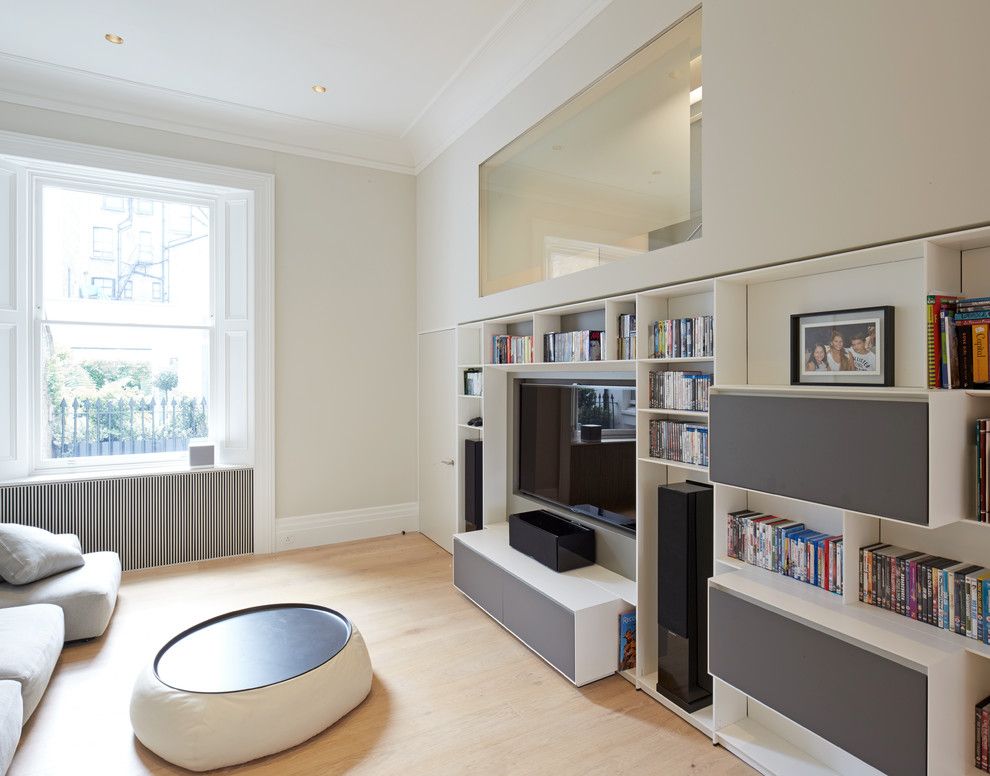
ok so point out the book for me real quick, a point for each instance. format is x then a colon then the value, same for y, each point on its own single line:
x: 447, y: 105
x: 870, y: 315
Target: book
x: 627, y: 641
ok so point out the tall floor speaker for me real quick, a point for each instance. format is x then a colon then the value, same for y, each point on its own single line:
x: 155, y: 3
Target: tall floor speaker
x: 684, y: 561
x: 472, y: 484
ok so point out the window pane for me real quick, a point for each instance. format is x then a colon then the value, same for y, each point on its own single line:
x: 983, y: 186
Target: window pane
x: 118, y: 390
x: 124, y: 259
x: 614, y: 173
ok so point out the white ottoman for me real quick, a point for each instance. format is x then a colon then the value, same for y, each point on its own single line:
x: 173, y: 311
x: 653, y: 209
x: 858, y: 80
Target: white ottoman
x: 248, y: 684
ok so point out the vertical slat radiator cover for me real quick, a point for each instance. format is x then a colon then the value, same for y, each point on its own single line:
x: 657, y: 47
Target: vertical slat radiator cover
x: 149, y: 520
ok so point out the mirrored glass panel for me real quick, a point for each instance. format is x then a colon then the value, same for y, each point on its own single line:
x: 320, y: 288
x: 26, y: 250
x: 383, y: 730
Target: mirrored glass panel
x: 614, y: 173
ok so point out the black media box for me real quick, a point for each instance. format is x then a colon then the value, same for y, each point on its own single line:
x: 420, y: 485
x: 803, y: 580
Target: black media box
x: 554, y: 541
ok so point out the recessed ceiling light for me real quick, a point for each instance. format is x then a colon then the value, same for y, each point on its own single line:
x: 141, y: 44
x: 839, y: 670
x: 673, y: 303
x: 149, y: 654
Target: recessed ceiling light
x: 320, y: 89
x: 115, y: 39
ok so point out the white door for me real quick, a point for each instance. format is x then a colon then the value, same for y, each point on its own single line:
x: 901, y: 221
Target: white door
x: 437, y: 438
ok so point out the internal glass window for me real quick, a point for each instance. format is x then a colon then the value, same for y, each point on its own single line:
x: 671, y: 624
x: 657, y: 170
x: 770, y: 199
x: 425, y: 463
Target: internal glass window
x: 613, y: 173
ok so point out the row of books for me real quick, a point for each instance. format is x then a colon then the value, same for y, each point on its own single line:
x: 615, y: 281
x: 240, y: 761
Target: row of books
x: 939, y: 591
x: 982, y: 470
x: 683, y: 338
x: 627, y: 337
x: 680, y: 390
x: 570, y: 346
x: 983, y: 735
x: 678, y: 441
x: 958, y: 332
x: 786, y: 547
x: 512, y: 349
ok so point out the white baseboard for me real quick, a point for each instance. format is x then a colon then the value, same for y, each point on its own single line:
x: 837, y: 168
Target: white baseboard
x: 291, y: 533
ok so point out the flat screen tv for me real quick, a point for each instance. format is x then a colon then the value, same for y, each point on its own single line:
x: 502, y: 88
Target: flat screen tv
x: 577, y: 448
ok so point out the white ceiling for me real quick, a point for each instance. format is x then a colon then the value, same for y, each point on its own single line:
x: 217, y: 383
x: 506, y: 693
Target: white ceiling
x: 242, y: 69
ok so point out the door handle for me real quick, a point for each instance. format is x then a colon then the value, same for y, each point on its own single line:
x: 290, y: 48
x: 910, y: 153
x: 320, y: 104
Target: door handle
x: 447, y: 461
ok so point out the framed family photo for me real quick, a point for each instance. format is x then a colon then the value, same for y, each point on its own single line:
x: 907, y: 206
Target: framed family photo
x: 843, y: 347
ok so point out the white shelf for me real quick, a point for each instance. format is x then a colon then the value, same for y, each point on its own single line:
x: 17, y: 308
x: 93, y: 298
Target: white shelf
x: 470, y: 366
x: 630, y: 676
x: 768, y: 752
x: 574, y: 590
x: 569, y: 366
x: 676, y: 464
x: 679, y: 413
x: 479, y: 429
x: 703, y: 719
x: 897, y: 638
x: 469, y: 396
x: 684, y: 360
x: 831, y: 391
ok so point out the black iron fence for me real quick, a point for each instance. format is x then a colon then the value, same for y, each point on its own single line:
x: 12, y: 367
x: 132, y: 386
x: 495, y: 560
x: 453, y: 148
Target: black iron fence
x: 88, y: 427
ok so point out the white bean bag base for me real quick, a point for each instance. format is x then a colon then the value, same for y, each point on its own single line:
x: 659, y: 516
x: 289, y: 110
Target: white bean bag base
x: 203, y: 731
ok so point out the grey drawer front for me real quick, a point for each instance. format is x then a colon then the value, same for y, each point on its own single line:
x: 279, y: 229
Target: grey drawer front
x: 872, y: 707
x: 478, y: 578
x: 541, y: 623
x: 862, y: 455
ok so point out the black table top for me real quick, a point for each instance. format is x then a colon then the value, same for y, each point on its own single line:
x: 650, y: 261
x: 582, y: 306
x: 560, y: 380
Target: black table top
x: 252, y: 648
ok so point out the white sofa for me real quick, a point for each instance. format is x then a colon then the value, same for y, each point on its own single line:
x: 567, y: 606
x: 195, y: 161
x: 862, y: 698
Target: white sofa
x: 35, y: 621
x: 31, y: 639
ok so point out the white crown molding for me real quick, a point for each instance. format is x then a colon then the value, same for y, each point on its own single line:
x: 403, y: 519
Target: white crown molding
x: 529, y: 34
x: 68, y: 90
x: 482, y: 82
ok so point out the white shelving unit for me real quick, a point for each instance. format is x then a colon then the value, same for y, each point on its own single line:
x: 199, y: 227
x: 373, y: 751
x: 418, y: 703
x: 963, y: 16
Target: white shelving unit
x: 751, y: 311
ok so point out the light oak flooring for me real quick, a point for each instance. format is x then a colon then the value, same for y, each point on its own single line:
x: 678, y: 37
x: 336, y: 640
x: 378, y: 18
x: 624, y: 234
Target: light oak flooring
x: 453, y: 693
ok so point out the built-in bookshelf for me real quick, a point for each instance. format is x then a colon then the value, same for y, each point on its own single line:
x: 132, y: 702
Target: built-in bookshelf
x: 931, y: 508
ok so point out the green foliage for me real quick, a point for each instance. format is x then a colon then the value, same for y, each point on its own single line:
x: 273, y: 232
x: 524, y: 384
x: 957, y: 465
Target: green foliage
x: 166, y: 381
x: 595, y: 409
x: 127, y: 373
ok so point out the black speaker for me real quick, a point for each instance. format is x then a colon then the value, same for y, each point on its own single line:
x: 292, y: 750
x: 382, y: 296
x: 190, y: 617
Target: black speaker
x: 684, y: 561
x: 472, y: 484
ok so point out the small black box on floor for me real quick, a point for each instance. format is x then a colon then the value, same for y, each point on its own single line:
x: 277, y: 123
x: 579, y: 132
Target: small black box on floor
x: 684, y: 562
x: 556, y: 542
x: 472, y: 485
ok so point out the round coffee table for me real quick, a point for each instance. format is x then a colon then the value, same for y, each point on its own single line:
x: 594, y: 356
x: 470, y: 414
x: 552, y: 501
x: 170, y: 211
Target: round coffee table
x: 249, y: 683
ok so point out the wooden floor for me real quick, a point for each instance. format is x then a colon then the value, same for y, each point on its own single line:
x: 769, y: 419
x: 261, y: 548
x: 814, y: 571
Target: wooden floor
x: 453, y: 693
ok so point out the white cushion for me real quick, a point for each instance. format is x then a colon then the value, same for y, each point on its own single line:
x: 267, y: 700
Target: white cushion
x: 30, y: 642
x: 87, y: 594
x: 203, y: 731
x: 28, y: 554
x: 11, y: 719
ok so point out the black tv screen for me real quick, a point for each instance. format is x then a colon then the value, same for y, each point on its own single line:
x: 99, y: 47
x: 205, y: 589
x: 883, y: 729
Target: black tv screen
x: 577, y: 448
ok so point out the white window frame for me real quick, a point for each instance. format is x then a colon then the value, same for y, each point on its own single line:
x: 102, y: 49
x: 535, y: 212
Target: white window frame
x: 112, y: 184
x: 251, y: 342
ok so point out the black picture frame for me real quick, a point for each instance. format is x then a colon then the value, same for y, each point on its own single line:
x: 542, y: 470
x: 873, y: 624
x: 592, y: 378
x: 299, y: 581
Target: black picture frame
x: 859, y: 366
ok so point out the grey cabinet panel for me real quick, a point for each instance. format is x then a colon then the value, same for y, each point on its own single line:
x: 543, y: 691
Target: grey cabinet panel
x: 871, y: 707
x: 542, y: 624
x: 479, y: 579
x: 862, y: 455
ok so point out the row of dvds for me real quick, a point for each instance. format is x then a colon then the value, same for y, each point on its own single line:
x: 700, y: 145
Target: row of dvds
x: 982, y: 470
x: 571, y: 346
x: 683, y: 338
x: 958, y: 341
x: 939, y: 591
x: 512, y: 349
x: 626, y: 348
x: 983, y: 735
x: 678, y: 441
x: 786, y: 547
x: 680, y: 391
x: 627, y: 325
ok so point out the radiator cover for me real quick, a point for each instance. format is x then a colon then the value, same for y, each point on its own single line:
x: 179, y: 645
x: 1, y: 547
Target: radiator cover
x: 149, y: 520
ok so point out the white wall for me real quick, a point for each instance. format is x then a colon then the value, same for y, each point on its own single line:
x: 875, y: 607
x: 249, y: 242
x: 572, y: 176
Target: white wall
x: 345, y: 346
x: 827, y: 126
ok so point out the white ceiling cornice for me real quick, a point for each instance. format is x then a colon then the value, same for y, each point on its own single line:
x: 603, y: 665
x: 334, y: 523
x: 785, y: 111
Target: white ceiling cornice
x: 45, y: 85
x: 529, y: 35
x: 526, y: 37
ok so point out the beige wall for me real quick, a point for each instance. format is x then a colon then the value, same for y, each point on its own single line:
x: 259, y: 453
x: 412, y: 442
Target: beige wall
x: 827, y: 126
x: 345, y: 346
